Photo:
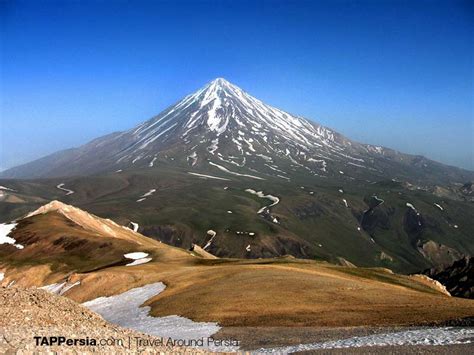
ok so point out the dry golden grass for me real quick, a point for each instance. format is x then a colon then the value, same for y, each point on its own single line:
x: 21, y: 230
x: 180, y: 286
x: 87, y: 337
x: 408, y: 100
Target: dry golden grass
x: 293, y: 294
x: 284, y: 295
x: 264, y: 292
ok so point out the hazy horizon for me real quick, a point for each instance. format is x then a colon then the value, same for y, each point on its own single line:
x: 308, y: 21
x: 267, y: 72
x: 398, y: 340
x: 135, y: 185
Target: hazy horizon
x: 396, y: 74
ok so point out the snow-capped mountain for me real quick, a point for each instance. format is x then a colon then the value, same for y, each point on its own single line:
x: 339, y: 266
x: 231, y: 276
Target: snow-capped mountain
x: 221, y: 128
x: 265, y: 182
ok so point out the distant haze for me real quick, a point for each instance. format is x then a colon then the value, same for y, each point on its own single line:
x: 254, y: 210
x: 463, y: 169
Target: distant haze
x: 397, y: 74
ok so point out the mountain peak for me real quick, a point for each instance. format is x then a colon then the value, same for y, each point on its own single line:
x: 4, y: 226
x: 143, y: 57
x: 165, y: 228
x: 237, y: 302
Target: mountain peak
x: 86, y: 220
x: 221, y: 87
x: 52, y: 206
x: 223, y: 83
x: 222, y: 127
x: 220, y: 81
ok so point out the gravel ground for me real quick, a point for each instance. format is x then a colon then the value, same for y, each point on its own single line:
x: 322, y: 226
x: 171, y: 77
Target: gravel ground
x: 273, y: 337
x: 418, y: 350
x: 26, y: 313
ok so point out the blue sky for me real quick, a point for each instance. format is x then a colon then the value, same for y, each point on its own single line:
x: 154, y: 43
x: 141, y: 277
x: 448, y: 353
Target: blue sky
x: 393, y: 73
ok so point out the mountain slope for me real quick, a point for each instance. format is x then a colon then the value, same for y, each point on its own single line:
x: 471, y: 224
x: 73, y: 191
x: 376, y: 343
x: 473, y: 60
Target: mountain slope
x: 267, y: 182
x: 222, y: 128
x: 273, y: 292
x: 328, y: 219
x: 57, y: 241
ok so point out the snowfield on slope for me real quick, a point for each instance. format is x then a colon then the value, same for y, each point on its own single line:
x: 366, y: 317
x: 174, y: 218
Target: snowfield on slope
x: 134, y: 226
x: 5, y: 188
x: 60, y: 288
x: 61, y: 187
x: 149, y: 193
x: 204, y: 176
x: 146, y: 194
x: 220, y: 167
x: 213, y: 234
x: 5, y: 230
x: 409, y: 205
x: 138, y: 258
x: 152, y: 162
x: 125, y: 310
x: 275, y: 200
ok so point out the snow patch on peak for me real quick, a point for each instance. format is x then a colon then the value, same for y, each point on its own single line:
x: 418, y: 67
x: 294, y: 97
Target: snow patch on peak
x: 220, y: 81
x: 221, y: 117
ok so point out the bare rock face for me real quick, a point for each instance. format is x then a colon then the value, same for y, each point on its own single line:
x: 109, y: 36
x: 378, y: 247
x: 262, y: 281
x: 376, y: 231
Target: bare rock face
x: 384, y: 256
x: 439, y: 254
x: 458, y: 278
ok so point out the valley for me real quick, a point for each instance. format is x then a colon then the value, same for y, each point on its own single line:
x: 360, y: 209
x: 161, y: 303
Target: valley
x: 312, y: 218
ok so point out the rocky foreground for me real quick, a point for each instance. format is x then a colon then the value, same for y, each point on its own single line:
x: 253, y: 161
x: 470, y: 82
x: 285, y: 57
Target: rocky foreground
x: 29, y: 313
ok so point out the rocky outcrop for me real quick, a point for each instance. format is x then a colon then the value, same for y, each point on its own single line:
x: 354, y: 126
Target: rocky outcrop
x: 343, y: 262
x: 201, y: 252
x: 438, y: 254
x: 431, y: 283
x: 458, y: 278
